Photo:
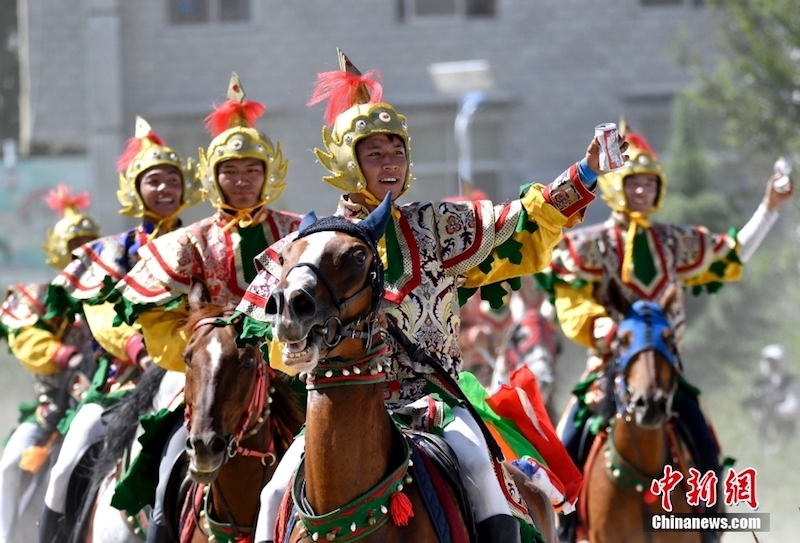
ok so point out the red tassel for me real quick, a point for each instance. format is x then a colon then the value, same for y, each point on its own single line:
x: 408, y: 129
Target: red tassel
x: 341, y: 89
x: 649, y: 497
x: 132, y: 148
x: 401, y: 508
x: 61, y: 198
x: 230, y: 113
x: 638, y: 140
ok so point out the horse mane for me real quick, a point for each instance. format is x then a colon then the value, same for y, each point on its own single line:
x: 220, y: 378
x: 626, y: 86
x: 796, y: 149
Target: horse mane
x: 209, y: 310
x: 286, y: 410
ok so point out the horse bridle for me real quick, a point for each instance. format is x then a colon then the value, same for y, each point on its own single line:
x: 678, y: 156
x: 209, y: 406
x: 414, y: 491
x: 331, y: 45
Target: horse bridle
x: 334, y: 329
x: 258, y: 410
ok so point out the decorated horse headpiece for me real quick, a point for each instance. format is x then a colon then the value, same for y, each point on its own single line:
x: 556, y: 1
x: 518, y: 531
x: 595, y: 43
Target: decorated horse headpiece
x: 73, y: 224
x: 646, y: 322
x: 642, y: 160
x: 369, y: 230
x: 143, y: 151
x: 355, y: 111
x: 232, y: 125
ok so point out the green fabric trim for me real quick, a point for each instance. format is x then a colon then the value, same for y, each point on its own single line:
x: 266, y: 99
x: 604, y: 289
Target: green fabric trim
x: 394, y: 256
x: 643, y: 266
x: 250, y: 331
x: 60, y: 304
x: 137, y: 488
x: 27, y: 413
x: 252, y: 243
x: 128, y: 312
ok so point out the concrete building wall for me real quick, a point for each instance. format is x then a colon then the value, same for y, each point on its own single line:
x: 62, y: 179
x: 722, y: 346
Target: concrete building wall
x: 561, y: 67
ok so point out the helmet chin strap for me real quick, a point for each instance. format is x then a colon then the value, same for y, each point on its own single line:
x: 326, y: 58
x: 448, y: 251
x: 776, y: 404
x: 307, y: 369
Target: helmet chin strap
x: 242, y: 217
x: 161, y: 221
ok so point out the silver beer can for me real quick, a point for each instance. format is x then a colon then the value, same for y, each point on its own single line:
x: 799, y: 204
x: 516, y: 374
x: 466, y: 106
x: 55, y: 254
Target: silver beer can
x: 610, y: 155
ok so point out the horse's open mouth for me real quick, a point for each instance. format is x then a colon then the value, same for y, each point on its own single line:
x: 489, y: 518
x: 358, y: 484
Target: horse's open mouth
x: 202, y: 476
x: 301, y: 355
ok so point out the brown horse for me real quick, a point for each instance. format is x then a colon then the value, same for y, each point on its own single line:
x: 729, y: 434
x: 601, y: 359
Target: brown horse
x: 354, y: 482
x: 240, y: 421
x: 639, y: 442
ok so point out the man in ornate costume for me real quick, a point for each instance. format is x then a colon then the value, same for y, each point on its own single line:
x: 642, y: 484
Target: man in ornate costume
x: 429, y: 251
x: 242, y: 173
x: 154, y: 185
x: 53, y: 348
x: 643, y: 260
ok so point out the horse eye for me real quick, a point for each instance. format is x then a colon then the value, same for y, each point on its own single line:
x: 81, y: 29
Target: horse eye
x: 360, y: 257
x: 280, y: 259
x: 247, y: 361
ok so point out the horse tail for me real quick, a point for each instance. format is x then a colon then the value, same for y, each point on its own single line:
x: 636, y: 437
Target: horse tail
x: 122, y: 421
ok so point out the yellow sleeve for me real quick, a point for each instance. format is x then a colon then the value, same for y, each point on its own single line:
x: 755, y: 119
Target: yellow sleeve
x: 164, y: 336
x: 38, y: 350
x: 577, y: 311
x: 113, y: 339
x: 525, y: 252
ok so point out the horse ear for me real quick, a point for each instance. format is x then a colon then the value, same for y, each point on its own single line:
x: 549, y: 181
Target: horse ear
x: 308, y: 220
x: 375, y: 224
x: 198, y: 294
x: 668, y: 297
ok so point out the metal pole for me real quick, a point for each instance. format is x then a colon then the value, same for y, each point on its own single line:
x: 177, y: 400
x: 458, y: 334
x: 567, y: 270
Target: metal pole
x: 469, y: 104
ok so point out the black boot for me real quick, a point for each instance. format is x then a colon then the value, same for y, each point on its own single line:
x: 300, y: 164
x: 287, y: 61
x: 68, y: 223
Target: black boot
x: 157, y: 533
x: 499, y: 529
x: 567, y: 525
x: 51, y: 528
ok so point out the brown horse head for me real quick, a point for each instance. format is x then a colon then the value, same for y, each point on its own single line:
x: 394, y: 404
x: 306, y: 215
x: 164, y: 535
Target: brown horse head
x: 647, y: 365
x: 221, y: 381
x: 331, y: 285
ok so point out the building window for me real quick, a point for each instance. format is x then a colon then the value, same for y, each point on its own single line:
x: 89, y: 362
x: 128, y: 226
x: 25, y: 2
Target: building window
x: 412, y: 9
x: 188, y: 12
x: 435, y: 157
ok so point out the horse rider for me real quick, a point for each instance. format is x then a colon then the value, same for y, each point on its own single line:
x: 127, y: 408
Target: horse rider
x: 776, y: 390
x: 53, y: 348
x: 429, y: 251
x: 643, y: 259
x: 242, y: 173
x: 154, y: 187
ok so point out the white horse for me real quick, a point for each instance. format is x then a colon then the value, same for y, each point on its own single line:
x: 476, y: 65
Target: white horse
x: 106, y: 523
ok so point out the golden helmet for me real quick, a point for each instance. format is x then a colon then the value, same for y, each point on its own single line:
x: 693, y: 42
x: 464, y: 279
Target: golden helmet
x: 232, y: 126
x: 642, y: 160
x: 365, y: 115
x: 142, y: 152
x: 73, y: 224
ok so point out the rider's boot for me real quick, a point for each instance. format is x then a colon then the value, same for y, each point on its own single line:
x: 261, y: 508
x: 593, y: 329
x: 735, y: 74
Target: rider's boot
x: 499, y: 529
x: 567, y: 526
x: 50, y: 527
x: 157, y: 533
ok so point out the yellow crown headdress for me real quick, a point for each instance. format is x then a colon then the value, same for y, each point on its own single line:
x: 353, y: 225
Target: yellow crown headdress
x: 642, y: 160
x: 232, y: 125
x: 355, y: 111
x: 143, y: 151
x: 73, y: 224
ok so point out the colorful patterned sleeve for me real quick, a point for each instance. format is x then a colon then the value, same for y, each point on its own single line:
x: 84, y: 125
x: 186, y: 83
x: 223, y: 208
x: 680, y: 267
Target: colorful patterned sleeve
x: 521, y: 234
x: 40, y: 351
x: 165, y: 337
x: 115, y: 338
x: 706, y: 261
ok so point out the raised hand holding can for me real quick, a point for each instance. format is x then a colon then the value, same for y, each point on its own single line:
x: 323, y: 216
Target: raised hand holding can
x: 610, y: 155
x: 783, y: 183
